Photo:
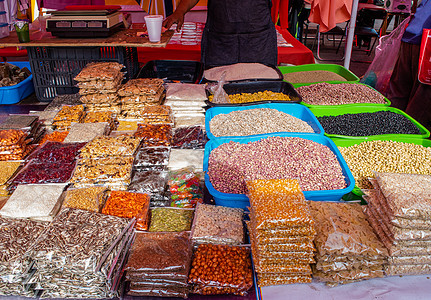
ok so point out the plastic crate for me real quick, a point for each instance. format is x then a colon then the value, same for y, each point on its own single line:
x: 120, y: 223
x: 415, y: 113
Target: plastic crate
x: 337, y: 69
x: 336, y: 111
x: 241, y: 200
x: 15, y: 93
x: 344, y: 142
x: 55, y: 67
x: 296, y: 110
x: 259, y: 86
x: 186, y: 71
x: 387, y: 101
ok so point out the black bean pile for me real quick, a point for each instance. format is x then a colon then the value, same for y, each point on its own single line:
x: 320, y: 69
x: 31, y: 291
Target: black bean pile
x: 364, y: 124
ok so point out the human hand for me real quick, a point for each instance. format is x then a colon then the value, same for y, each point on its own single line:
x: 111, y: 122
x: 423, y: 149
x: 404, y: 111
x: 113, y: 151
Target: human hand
x: 175, y: 18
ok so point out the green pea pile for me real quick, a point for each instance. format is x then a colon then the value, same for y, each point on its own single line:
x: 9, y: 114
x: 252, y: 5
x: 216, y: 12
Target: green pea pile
x: 170, y: 219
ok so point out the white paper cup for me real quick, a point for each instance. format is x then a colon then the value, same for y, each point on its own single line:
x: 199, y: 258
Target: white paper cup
x: 154, y: 27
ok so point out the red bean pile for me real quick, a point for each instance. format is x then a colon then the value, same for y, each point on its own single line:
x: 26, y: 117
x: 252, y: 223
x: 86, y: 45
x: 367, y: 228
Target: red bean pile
x: 314, y: 165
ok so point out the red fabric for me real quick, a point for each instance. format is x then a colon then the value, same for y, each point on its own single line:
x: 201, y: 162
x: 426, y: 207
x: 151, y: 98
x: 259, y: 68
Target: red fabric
x: 296, y: 55
x: 280, y: 12
x: 12, y: 52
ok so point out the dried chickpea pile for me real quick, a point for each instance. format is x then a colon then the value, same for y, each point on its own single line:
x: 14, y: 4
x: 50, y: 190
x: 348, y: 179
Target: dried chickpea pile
x: 221, y: 269
x: 8, y: 169
x: 399, y: 210
x: 13, y: 144
x: 385, y: 156
x: 98, y: 84
x: 348, y: 249
x: 159, y: 264
x: 281, y: 232
x: 129, y: 205
x: 68, y: 115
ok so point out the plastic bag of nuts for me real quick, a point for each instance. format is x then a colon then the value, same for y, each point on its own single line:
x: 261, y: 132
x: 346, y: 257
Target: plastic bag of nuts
x: 221, y: 269
x: 218, y: 224
x: 91, y: 199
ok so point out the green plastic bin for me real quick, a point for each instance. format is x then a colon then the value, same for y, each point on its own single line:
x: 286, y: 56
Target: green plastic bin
x: 337, y: 69
x: 388, y: 103
x: 343, y: 142
x: 336, y: 111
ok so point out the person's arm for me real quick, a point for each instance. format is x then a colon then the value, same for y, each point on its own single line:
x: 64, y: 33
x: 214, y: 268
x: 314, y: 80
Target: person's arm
x: 178, y: 16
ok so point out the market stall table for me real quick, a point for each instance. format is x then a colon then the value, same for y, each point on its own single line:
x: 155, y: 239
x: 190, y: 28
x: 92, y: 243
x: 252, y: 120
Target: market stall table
x: 190, y: 49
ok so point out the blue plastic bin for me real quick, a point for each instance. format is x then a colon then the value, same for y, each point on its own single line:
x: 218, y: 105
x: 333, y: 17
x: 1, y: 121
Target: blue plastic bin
x: 242, y: 201
x: 297, y: 110
x: 15, y: 93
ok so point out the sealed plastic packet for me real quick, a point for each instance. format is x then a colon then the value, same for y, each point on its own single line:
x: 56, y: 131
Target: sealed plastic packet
x: 185, y: 188
x: 171, y: 219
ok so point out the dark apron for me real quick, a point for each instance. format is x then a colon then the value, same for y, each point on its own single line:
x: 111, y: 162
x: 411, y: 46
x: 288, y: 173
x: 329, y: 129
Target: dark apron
x: 239, y: 31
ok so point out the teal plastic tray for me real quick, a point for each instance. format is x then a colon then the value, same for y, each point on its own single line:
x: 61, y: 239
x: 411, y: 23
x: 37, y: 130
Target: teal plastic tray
x: 343, y: 142
x: 387, y: 103
x: 337, y: 69
x: 336, y: 111
x: 241, y: 200
x: 15, y: 93
x: 296, y: 110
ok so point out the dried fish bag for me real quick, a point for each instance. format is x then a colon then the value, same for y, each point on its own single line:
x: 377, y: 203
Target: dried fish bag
x: 170, y: 219
x: 218, y: 224
x: 185, y: 91
x: 35, y: 201
x: 148, y: 182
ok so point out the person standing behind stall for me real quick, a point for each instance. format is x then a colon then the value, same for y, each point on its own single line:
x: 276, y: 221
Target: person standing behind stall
x: 235, y: 31
x: 405, y: 90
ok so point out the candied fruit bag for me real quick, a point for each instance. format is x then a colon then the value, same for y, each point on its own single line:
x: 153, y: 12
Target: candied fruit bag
x: 185, y: 188
x: 210, y: 265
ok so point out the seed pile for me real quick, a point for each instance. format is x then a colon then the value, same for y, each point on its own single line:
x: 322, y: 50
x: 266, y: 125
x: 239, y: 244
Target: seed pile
x: 256, y: 121
x: 170, y: 219
x: 399, y: 210
x: 279, y: 204
x: 385, y: 156
x: 343, y: 93
x: 364, y: 124
x: 348, y: 250
x: 315, y: 165
x: 312, y: 76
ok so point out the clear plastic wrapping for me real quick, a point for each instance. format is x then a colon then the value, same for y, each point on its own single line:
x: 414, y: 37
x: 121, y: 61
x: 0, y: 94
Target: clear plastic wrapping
x: 185, y: 188
x: 67, y: 115
x: 218, y: 224
x: 170, y: 219
x: 140, y: 86
x: 343, y: 229
x: 410, y: 260
x: 154, y: 135
x: 99, y: 71
x: 189, y: 120
x: 8, y: 169
x: 56, y: 152
x: 348, y: 264
x: 153, y: 114
x: 99, y: 98
x: 278, y: 279
x: 147, y: 157
x: 97, y: 84
x: 186, y: 91
x: 36, y: 201
x: 348, y: 276
x: 91, y: 199
x: 55, y: 136
x: 189, y: 137
x: 110, y: 146
x: 85, y: 132
x: 211, y: 264
x: 148, y: 182
x: 392, y: 270
x: 183, y: 158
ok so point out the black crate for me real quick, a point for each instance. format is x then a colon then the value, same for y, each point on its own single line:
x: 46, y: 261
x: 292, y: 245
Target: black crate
x: 54, y: 68
x: 259, y: 86
x: 186, y: 71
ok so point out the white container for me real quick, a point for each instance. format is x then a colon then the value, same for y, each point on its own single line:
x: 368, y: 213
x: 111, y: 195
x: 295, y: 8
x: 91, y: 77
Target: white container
x: 154, y: 27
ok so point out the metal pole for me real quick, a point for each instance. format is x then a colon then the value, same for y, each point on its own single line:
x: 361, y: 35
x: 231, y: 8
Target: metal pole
x: 350, y: 36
